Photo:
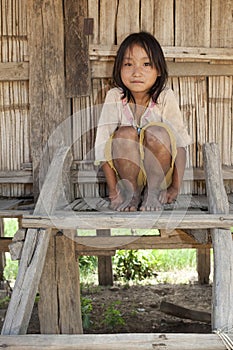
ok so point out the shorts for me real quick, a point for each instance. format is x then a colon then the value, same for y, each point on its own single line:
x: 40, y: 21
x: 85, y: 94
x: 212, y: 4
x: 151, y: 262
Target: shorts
x: 142, y: 174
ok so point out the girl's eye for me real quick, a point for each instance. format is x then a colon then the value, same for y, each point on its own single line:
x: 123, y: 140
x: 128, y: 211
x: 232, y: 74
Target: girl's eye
x: 127, y: 64
x: 147, y: 64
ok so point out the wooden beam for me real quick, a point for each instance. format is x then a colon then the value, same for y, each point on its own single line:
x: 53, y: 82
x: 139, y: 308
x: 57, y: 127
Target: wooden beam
x: 99, y: 52
x: 13, y: 71
x: 145, y: 220
x: 92, y: 243
x: 113, y: 342
x: 16, y: 176
x: 90, y: 176
x: 103, y: 69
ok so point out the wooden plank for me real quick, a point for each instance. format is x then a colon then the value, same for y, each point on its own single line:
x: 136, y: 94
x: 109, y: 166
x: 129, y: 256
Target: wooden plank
x: 222, y: 302
x: 183, y: 312
x: 107, y: 18
x: 93, y: 12
x: 7, y: 204
x: 195, y: 173
x: 13, y: 71
x: 114, y: 342
x: 127, y: 19
x: 189, y: 30
x: 108, y: 52
x: 47, y: 103
x: 221, y: 31
x: 110, y: 219
x: 181, y: 240
x: 16, y: 176
x: 76, y: 52
x: 181, y: 69
x: 34, y: 253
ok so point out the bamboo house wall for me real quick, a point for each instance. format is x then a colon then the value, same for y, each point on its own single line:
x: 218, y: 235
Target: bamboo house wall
x: 197, y: 39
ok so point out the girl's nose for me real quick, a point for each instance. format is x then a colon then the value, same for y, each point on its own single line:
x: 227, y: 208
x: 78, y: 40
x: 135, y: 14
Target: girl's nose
x: 137, y: 70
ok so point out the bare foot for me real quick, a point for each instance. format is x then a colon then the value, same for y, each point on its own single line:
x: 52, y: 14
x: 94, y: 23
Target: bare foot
x: 151, y: 201
x: 116, y: 201
x: 131, y: 203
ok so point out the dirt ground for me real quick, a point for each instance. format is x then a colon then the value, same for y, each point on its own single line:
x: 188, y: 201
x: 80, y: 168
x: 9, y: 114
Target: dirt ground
x: 139, y: 309
x: 136, y: 309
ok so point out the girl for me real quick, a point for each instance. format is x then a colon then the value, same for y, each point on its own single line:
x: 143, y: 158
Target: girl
x: 141, y: 139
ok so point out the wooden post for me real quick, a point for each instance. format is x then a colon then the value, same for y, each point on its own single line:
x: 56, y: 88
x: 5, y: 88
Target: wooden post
x: 105, y: 274
x: 59, y: 306
x: 203, y: 265
x: 222, y: 302
x: 2, y: 255
x: 34, y: 252
x: 48, y: 106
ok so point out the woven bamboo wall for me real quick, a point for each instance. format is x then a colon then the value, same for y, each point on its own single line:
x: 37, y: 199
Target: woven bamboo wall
x: 205, y: 100
x: 14, y: 99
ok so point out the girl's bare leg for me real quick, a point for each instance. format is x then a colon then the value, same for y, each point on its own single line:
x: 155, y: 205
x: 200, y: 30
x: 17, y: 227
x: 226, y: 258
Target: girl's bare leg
x: 157, y: 161
x: 126, y: 158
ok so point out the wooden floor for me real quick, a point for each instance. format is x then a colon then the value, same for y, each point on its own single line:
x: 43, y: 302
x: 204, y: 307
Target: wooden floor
x: 17, y: 206
x: 114, y: 342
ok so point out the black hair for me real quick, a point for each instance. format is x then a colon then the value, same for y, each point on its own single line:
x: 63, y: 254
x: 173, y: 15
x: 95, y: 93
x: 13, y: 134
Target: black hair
x: 154, y: 51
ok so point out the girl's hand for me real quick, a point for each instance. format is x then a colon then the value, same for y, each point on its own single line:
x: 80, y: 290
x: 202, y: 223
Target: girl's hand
x: 169, y: 195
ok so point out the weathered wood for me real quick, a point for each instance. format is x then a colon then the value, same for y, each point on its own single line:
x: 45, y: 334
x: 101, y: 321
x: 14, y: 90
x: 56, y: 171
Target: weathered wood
x: 59, y: 305
x: 107, y: 220
x: 105, y: 274
x: 16, y: 176
x: 203, y: 265
x: 47, y: 103
x: 13, y: 71
x: 181, y: 240
x: 221, y: 30
x: 222, y: 303
x: 16, y: 245
x: 108, y: 52
x: 2, y: 255
x: 189, y: 31
x: 4, y: 244
x: 176, y: 69
x: 90, y: 176
x: 184, y: 312
x: 34, y: 253
x: 76, y: 53
x: 114, y: 342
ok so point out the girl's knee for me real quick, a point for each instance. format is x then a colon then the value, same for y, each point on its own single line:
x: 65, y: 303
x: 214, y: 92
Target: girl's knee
x: 126, y: 132
x: 155, y: 135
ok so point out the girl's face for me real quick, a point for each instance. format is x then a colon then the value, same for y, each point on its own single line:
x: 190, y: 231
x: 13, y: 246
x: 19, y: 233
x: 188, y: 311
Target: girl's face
x: 137, y: 73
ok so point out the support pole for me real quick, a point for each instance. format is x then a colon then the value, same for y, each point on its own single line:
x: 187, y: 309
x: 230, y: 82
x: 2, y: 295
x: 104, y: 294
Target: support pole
x: 105, y: 274
x: 222, y: 301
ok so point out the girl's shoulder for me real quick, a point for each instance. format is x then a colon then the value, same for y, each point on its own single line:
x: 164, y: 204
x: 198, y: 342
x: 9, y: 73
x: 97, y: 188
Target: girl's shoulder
x: 114, y: 95
x: 166, y: 94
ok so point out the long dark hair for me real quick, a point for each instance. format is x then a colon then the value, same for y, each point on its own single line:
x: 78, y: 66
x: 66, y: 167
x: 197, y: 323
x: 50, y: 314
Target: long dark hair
x: 156, y: 57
